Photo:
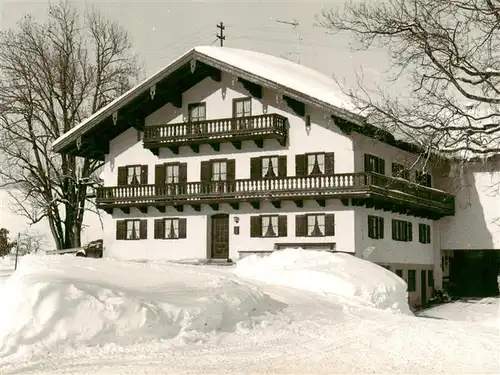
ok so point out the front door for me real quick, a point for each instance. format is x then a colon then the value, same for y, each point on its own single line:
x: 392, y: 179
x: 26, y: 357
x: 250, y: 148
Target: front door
x: 423, y: 286
x: 220, y: 236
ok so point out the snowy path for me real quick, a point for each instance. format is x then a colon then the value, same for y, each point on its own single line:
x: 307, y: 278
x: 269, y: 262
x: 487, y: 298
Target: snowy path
x: 312, y: 340
x: 299, y: 332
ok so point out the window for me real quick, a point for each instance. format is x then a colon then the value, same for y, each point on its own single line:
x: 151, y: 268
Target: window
x: 375, y: 227
x: 315, y: 164
x: 315, y: 225
x: 423, y: 179
x: 197, y: 112
x: 268, y: 226
x: 171, y: 173
x: 242, y: 107
x: 374, y: 164
x: 399, y: 170
x: 399, y: 273
x: 217, y: 175
x: 219, y: 170
x: 170, y: 228
x: 133, y: 175
x: 430, y: 278
x: 412, y: 280
x: 402, y: 230
x: 267, y: 167
x: 424, y: 233
x: 131, y: 229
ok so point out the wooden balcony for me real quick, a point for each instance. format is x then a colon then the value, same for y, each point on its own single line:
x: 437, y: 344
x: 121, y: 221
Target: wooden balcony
x: 368, y: 189
x: 215, y: 132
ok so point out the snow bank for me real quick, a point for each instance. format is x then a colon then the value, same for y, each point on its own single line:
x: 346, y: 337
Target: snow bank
x: 485, y: 311
x: 335, y: 274
x: 73, y: 300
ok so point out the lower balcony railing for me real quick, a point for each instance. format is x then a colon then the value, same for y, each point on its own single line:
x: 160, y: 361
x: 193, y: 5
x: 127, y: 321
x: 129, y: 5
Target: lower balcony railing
x: 326, y: 186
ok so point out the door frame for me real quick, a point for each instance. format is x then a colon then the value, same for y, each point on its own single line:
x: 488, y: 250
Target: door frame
x: 211, y: 234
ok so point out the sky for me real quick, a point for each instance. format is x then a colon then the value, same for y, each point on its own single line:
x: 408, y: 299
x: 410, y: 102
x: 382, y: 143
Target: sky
x: 163, y: 30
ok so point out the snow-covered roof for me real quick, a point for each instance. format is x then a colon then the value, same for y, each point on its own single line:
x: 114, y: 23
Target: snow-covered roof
x: 297, y: 81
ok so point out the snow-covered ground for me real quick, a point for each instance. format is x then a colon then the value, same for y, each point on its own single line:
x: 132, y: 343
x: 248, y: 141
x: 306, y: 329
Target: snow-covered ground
x: 292, y: 312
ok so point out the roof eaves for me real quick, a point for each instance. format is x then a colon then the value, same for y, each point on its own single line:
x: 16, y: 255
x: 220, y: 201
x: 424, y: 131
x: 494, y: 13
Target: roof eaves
x: 119, y: 102
x: 357, y: 119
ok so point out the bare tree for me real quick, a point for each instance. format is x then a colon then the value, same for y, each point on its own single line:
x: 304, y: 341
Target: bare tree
x: 53, y: 75
x: 447, y: 52
x: 31, y: 242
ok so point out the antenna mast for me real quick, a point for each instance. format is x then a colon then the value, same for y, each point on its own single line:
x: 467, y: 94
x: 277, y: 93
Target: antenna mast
x: 295, y: 25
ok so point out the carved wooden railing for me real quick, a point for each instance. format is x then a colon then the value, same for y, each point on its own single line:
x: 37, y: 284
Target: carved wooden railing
x: 219, y: 128
x: 273, y: 188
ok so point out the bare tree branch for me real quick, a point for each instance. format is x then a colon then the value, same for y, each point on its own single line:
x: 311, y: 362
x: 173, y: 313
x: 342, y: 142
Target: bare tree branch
x: 52, y: 75
x: 448, y: 52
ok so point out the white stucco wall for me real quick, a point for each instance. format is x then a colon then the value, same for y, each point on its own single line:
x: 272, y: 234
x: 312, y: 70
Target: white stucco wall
x: 386, y: 250
x: 126, y: 149
x: 476, y: 224
x: 364, y: 145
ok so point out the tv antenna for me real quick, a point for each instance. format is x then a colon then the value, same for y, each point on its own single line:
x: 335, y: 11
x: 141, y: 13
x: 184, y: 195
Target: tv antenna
x: 295, y: 25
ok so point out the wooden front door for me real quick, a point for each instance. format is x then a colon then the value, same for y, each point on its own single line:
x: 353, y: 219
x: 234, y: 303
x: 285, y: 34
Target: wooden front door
x: 423, y: 286
x: 220, y: 236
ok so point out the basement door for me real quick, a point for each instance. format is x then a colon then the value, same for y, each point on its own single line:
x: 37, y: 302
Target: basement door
x: 220, y: 236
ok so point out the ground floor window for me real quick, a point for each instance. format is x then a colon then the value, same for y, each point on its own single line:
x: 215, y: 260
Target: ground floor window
x: 133, y: 229
x: 170, y: 228
x: 315, y: 225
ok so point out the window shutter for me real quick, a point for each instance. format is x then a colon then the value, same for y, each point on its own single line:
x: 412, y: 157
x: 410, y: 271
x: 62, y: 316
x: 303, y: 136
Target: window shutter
x: 231, y: 169
x: 159, y: 174
x: 183, y: 172
x: 429, y: 180
x: 410, y: 232
x: 381, y: 166
x: 300, y: 165
x: 329, y: 163
x: 282, y: 226
x: 255, y: 168
x: 144, y: 174
x: 300, y: 226
x: 122, y: 176
x: 206, y: 171
x: 183, y: 228
x: 330, y: 225
x: 367, y: 163
x: 381, y: 227
x: 282, y: 166
x: 143, y: 229
x: 121, y: 229
x: 255, y: 226
x: 371, y: 230
x: 159, y: 228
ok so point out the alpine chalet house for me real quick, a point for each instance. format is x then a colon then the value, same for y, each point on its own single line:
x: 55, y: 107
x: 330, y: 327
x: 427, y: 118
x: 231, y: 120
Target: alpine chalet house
x: 228, y: 152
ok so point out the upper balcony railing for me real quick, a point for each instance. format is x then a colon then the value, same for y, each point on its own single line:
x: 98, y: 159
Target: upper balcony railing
x: 226, y: 129
x: 347, y: 185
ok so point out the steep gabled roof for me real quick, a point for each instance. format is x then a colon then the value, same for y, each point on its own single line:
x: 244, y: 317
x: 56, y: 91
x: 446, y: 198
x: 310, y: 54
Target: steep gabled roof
x: 297, y: 82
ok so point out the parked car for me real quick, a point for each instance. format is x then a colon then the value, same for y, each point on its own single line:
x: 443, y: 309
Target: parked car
x: 93, y: 249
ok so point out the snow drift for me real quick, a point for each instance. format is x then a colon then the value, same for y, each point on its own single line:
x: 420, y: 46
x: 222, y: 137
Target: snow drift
x: 50, y: 300
x: 351, y: 279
